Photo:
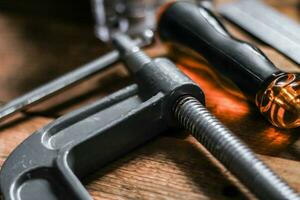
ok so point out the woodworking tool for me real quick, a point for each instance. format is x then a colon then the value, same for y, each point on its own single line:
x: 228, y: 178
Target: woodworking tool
x: 49, y: 164
x: 276, y: 93
x: 74, y: 77
x: 266, y: 24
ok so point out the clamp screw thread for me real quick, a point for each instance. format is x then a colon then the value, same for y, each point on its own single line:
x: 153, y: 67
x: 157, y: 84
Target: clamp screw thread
x: 230, y: 150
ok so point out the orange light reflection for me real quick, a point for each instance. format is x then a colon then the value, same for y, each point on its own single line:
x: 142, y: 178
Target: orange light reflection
x: 218, y: 100
x: 229, y: 105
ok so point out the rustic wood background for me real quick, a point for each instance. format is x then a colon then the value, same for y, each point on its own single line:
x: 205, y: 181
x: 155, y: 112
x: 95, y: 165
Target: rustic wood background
x: 34, y: 50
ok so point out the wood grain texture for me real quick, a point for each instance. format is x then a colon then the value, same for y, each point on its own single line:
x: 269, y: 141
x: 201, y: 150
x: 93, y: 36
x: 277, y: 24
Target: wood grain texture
x: 173, y: 166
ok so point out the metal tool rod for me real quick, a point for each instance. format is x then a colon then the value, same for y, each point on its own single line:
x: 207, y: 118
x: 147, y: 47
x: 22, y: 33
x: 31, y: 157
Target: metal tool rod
x: 49, y: 89
x: 231, y: 151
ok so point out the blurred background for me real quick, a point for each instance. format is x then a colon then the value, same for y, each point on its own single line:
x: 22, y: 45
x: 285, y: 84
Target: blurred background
x: 40, y: 40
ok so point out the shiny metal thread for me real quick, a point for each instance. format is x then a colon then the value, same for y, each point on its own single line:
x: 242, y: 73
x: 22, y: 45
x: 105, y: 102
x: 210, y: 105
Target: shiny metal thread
x: 230, y: 151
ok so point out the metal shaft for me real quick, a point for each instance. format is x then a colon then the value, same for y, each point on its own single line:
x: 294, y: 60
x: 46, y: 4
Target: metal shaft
x: 57, y: 85
x: 230, y: 151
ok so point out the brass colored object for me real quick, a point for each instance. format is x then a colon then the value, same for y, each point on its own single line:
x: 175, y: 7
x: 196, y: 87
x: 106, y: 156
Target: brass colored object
x: 280, y: 102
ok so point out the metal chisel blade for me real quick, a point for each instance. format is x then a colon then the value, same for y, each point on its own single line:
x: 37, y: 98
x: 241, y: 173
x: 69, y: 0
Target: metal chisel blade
x: 266, y: 24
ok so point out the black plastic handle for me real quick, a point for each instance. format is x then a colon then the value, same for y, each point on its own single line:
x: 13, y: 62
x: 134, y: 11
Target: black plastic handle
x: 199, y: 29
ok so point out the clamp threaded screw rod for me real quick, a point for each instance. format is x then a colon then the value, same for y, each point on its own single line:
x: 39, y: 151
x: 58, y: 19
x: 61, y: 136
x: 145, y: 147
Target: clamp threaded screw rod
x: 231, y: 151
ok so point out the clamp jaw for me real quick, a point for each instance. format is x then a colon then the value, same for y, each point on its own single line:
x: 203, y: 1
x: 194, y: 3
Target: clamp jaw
x: 50, y: 163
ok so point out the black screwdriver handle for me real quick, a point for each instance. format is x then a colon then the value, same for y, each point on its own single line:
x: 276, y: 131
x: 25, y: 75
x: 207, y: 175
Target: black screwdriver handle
x: 198, y: 28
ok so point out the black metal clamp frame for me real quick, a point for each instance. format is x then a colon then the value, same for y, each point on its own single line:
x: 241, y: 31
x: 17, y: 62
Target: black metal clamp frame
x: 49, y: 164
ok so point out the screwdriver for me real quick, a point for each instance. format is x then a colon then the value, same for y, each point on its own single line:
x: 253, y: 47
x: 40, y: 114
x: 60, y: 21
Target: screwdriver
x: 276, y: 93
x: 70, y: 79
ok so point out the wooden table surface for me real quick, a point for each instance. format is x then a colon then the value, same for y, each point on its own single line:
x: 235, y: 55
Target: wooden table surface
x: 34, y: 50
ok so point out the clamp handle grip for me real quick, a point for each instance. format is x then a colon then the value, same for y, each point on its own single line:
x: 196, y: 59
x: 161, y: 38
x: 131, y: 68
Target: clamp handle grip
x: 199, y: 29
